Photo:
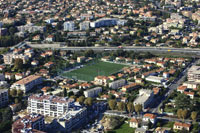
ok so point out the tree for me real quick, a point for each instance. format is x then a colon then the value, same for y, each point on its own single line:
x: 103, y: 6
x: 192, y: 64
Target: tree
x: 121, y: 106
x: 112, y: 104
x: 182, y: 102
x: 89, y: 53
x: 64, y: 92
x: 138, y: 108
x: 16, y: 100
x: 88, y: 101
x: 130, y: 107
x: 179, y: 113
x: 20, y: 93
x: 81, y: 99
x: 13, y: 92
x: 184, y: 114
x: 194, y: 115
x: 18, y: 64
x: 70, y: 93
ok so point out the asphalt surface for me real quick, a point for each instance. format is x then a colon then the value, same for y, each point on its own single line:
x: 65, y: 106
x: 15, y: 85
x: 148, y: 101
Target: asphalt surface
x: 178, y: 81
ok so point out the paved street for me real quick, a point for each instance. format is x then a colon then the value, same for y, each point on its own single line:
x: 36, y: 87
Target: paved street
x: 173, y: 86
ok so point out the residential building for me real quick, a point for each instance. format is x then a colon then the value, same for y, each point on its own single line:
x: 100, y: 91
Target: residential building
x: 27, y: 83
x: 191, y: 85
x: 107, y: 22
x: 84, y: 25
x: 155, y: 79
x: 68, y: 114
x: 69, y: 26
x: 134, y: 123
x: 149, y: 117
x: 74, y: 119
x: 3, y: 97
x: 117, y: 84
x: 194, y: 74
x: 145, y: 98
x: 48, y: 105
x: 130, y: 87
x: 93, y: 92
x: 30, y: 28
x: 181, y: 126
x: 101, y: 80
x: 29, y: 123
x: 9, y: 58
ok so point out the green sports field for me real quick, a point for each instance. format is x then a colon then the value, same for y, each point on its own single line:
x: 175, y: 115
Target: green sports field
x: 93, y: 69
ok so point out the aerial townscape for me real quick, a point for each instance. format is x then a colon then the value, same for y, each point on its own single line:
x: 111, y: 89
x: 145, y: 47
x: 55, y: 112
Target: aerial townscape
x: 99, y: 66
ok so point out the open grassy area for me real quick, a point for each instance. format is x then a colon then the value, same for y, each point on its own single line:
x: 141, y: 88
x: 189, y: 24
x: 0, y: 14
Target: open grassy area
x: 93, y: 69
x: 124, y: 128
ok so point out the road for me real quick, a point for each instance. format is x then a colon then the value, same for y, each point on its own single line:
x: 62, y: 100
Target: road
x: 135, y: 48
x: 173, y: 86
x: 114, y: 113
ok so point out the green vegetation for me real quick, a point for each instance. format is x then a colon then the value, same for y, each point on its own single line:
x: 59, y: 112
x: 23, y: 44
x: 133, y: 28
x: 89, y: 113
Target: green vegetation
x: 124, y: 128
x: 94, y: 69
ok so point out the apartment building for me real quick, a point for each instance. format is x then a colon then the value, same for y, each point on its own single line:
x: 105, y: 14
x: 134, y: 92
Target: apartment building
x: 30, y: 28
x: 194, y: 74
x: 49, y: 105
x: 27, y: 83
x: 9, y: 58
x: 84, y: 25
x: 101, y: 80
x: 29, y: 123
x: 69, y: 26
x: 68, y: 114
x: 73, y: 119
x: 107, y: 22
x: 145, y: 97
x: 93, y: 92
x: 3, y: 97
x: 117, y: 84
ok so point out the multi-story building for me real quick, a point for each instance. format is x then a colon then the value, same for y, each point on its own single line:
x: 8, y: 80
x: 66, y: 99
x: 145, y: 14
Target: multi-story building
x: 9, y: 58
x: 117, y: 84
x: 93, y: 92
x: 27, y: 83
x: 107, y: 22
x: 145, y: 97
x: 84, y: 25
x: 101, y: 80
x: 31, y: 28
x: 3, y: 97
x: 29, y: 123
x: 69, y: 26
x: 73, y: 119
x: 67, y: 113
x: 49, y: 105
x: 194, y: 74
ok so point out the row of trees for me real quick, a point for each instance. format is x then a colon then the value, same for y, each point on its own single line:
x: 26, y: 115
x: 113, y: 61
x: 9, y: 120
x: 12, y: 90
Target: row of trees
x: 183, y: 114
x: 121, y: 106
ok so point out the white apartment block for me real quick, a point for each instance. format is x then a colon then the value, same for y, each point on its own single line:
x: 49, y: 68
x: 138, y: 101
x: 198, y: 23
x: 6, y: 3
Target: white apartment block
x: 3, y: 97
x: 107, y: 22
x: 84, y: 25
x: 49, y: 105
x: 194, y: 74
x: 30, y: 28
x: 92, y: 92
x: 9, y: 58
x: 68, y: 115
x: 69, y: 26
x: 117, y: 84
x: 27, y: 83
x: 145, y: 97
